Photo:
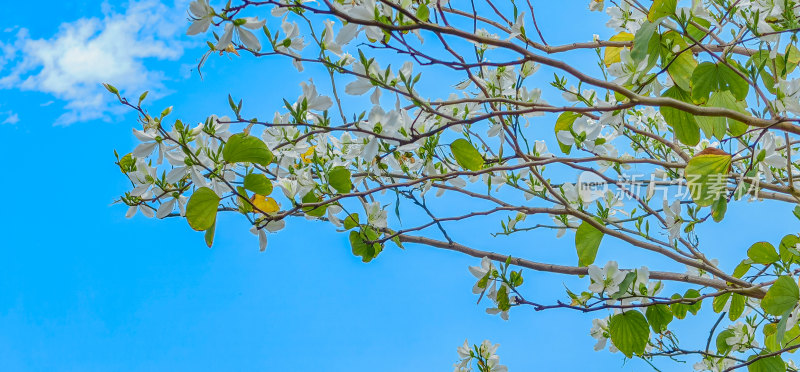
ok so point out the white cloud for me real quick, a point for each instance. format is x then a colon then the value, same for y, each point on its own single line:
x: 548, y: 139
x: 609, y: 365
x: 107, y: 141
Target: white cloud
x: 120, y: 49
x: 11, y: 118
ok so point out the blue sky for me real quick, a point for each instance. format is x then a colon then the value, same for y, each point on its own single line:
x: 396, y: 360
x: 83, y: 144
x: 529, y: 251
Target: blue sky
x: 82, y: 288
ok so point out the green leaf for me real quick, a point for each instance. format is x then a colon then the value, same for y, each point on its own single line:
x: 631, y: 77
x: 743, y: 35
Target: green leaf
x: 339, y: 178
x: 201, y: 210
x: 791, y: 337
x: 423, y: 13
x: 209, y: 236
x: 792, y: 58
x: 564, y: 123
x: 714, y: 77
x: 719, y: 302
x: 360, y: 247
x: 716, y: 125
x: 661, y: 8
x: 742, y: 268
x: 624, y: 285
x: 694, y: 32
x: 245, y: 205
x: 788, y: 242
x: 629, y: 332
x: 683, y: 123
x: 770, y: 364
x: 587, y: 240
x: 641, y: 41
x: 127, y: 164
x: 503, y: 302
x: 682, y: 65
x: 718, y: 208
x: 319, y: 211
x: 466, y: 155
x: 678, y: 309
x: 248, y: 149
x: 659, y: 316
x: 781, y: 296
x: 706, y: 176
x: 695, y: 307
x: 258, y: 183
x: 351, y: 221
x: 780, y: 330
x: 737, y: 306
x: 722, y: 345
x: 763, y: 253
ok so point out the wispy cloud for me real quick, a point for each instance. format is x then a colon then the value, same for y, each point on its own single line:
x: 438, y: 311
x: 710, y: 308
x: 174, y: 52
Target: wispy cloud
x: 10, y: 118
x: 122, y: 49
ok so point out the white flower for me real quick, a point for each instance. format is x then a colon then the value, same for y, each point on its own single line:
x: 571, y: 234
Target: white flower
x: 486, y: 354
x: 363, y: 84
x: 144, y: 177
x: 528, y: 68
x: 168, y: 206
x: 366, y: 12
x: 247, y: 38
x: 693, y: 271
x: 743, y: 337
x: 328, y: 41
x: 376, y: 216
x: 292, y: 44
x: 714, y: 364
x: 480, y: 272
x: 625, y: 17
x: 150, y: 140
x: 262, y: 237
x: 489, y: 353
x: 672, y: 219
x: 606, y: 280
x: 314, y: 101
x: 482, y: 33
x: 518, y: 26
x: 464, y: 357
x: 146, y: 210
x: 599, y: 332
x: 217, y: 126
x: 627, y: 71
x: 202, y: 14
x: 772, y: 158
x: 596, y: 5
x: 585, y: 128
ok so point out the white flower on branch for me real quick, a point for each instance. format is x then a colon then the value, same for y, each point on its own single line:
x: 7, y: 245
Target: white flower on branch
x: 292, y: 43
x: 314, y: 100
x: 150, y: 141
x: 672, y: 219
x: 479, y: 272
x: 237, y: 28
x: 606, y: 279
x: 376, y: 215
x: 599, y: 332
x: 518, y: 28
x: 202, y: 15
x: 625, y: 17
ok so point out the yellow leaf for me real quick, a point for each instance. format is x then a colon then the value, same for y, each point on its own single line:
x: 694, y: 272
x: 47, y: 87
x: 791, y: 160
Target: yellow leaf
x: 308, y: 156
x: 612, y: 53
x: 265, y: 203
